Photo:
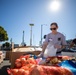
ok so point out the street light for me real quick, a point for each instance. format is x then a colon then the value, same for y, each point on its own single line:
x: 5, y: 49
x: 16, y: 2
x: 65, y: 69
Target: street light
x: 31, y: 34
x: 42, y: 32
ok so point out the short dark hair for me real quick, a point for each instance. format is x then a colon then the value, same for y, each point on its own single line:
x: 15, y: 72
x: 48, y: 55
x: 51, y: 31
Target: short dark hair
x: 54, y: 23
x: 44, y: 36
x: 74, y: 41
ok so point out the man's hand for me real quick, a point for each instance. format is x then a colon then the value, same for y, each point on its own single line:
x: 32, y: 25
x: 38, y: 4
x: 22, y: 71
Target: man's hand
x: 57, y: 46
x: 41, y: 54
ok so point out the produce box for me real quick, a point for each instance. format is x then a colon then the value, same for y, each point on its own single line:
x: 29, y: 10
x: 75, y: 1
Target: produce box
x: 7, y: 55
x: 16, y: 53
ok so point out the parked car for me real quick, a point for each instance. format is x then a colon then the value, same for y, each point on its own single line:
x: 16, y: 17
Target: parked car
x: 73, y: 49
x: 67, y: 49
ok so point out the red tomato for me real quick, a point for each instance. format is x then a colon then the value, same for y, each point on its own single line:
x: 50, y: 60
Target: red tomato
x: 31, y: 60
x: 25, y: 67
x: 18, y: 60
x: 20, y: 72
x: 18, y: 64
x: 26, y: 73
x: 14, y: 71
x: 23, y: 61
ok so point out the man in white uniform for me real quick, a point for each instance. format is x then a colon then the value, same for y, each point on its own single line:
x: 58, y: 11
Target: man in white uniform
x: 57, y: 38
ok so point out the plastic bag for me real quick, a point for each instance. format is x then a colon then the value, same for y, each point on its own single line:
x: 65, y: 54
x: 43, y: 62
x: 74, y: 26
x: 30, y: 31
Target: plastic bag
x: 50, y: 50
x: 40, y: 61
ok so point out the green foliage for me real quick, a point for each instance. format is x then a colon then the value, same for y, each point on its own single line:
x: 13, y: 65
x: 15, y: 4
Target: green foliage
x: 6, y: 44
x: 3, y: 34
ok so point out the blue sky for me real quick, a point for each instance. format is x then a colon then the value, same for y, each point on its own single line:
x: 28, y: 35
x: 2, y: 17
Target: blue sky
x: 16, y: 15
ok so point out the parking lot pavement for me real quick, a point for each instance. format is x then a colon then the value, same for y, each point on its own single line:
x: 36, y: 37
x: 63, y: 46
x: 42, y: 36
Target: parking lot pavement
x: 3, y: 67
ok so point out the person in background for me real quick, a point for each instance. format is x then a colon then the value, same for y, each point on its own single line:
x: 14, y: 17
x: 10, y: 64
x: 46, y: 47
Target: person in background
x: 57, y: 38
x: 44, y: 38
x: 73, y: 43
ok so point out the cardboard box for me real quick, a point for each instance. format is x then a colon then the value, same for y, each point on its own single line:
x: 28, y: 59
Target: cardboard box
x: 7, y: 55
x: 17, y: 52
x: 15, y: 55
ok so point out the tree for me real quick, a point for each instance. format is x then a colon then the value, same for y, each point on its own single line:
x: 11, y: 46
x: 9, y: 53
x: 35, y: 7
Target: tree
x: 3, y: 34
x: 6, y: 44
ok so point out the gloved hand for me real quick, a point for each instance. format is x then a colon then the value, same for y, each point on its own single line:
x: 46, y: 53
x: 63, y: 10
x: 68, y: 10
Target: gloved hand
x: 41, y: 55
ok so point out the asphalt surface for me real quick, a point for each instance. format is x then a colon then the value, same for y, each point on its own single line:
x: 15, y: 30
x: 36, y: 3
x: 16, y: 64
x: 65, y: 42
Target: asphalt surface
x: 3, y: 67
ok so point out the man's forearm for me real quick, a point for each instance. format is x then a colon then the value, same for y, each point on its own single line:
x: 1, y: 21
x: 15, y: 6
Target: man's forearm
x: 44, y: 47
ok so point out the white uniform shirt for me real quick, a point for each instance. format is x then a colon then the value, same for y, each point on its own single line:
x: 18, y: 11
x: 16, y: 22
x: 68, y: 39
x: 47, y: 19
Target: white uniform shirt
x: 56, y: 39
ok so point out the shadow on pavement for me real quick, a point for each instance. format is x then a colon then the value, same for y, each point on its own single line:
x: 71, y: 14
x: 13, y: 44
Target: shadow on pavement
x: 3, y: 70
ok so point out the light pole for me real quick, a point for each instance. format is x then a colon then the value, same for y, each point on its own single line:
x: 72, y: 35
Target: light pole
x: 11, y: 42
x: 23, y: 43
x: 31, y: 34
x: 42, y: 32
